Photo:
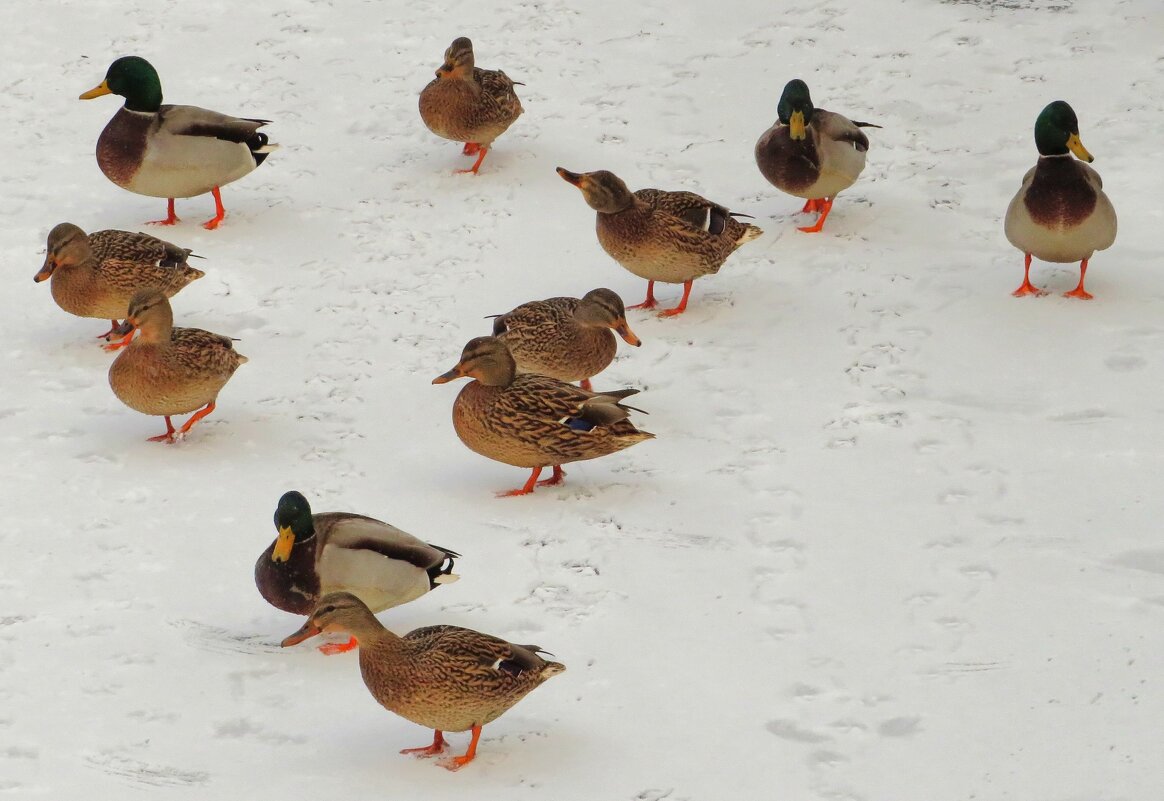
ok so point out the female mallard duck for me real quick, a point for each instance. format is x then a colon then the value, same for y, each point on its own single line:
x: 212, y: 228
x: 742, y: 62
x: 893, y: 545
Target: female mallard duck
x: 467, y: 104
x: 343, y: 552
x: 167, y: 370
x: 1060, y: 213
x: 444, y: 678
x: 96, y: 275
x: 532, y: 420
x: 811, y: 153
x: 172, y: 151
x: 568, y: 339
x: 673, y: 237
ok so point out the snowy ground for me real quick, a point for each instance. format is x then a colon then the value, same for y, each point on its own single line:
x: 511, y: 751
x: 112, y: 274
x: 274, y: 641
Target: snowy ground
x: 898, y: 537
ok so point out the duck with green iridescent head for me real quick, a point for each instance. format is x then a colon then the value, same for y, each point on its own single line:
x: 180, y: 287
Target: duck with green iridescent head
x: 811, y: 153
x: 172, y: 151
x: 1060, y: 213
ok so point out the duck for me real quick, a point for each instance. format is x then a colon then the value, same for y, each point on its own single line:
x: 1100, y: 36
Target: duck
x: 464, y: 103
x: 318, y: 554
x: 96, y: 275
x: 172, y: 151
x: 169, y: 371
x: 1060, y: 213
x: 672, y: 237
x: 811, y: 153
x: 570, y: 339
x: 445, y: 678
x: 534, y: 421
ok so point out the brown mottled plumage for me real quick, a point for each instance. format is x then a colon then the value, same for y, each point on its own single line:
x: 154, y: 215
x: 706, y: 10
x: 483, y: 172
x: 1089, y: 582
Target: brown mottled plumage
x: 673, y: 237
x: 532, y: 420
x: 166, y: 370
x: 445, y: 678
x: 95, y: 275
x: 467, y: 104
x: 565, y: 338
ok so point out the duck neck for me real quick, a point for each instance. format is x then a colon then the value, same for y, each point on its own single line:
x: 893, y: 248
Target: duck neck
x: 158, y: 329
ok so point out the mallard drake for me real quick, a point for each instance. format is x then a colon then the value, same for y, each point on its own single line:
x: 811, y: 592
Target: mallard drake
x: 673, y: 237
x: 95, y: 275
x: 811, y: 153
x: 1061, y: 213
x: 168, y: 371
x: 531, y: 420
x: 172, y: 151
x: 568, y: 339
x: 444, y: 678
x: 467, y: 104
x: 315, y: 555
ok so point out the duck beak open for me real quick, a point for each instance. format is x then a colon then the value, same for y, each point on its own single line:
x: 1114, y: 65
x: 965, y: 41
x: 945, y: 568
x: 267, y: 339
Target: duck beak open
x: 623, y: 330
x: 451, y: 375
x: 98, y: 90
x: 283, y: 545
x: 796, y: 125
x: 1076, y: 146
x: 306, y: 632
x: 571, y: 177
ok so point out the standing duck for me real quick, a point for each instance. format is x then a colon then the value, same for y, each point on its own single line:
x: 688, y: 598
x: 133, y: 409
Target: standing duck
x: 315, y: 555
x: 96, y: 275
x: 166, y: 370
x: 172, y: 151
x: 811, y: 153
x: 467, y: 104
x: 534, y: 421
x: 1060, y: 213
x: 444, y: 678
x: 569, y: 339
x: 673, y: 237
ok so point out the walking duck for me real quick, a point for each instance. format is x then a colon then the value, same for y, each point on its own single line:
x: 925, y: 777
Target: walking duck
x: 811, y: 153
x: 167, y: 370
x: 445, y: 678
x: 467, y: 104
x: 1061, y: 213
x: 172, y: 151
x: 96, y: 275
x: 673, y: 237
x: 534, y: 421
x: 315, y: 555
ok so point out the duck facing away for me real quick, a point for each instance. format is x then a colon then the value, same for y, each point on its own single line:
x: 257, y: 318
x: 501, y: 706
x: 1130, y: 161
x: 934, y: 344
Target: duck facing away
x: 96, y: 275
x: 673, y: 237
x: 445, y: 678
x: 811, y: 153
x: 534, y: 421
x: 315, y: 555
x: 467, y: 104
x: 172, y: 151
x: 1061, y: 213
x: 570, y: 339
x: 167, y: 370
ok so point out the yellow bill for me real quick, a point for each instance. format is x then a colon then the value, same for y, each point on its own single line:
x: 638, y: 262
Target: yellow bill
x: 98, y: 90
x: 796, y: 125
x: 283, y: 545
x: 1076, y: 146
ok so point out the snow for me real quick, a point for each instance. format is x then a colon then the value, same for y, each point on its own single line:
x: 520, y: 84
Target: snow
x: 898, y: 537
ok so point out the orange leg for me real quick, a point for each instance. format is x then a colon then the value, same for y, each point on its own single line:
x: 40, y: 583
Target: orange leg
x: 168, y: 436
x: 438, y: 745
x: 682, y: 307
x: 482, y: 150
x: 470, y: 148
x: 527, y: 489
x: 554, y: 480
x: 333, y: 648
x: 811, y: 205
x: 824, y: 207
x: 650, y: 302
x: 458, y: 762
x: 1079, y: 291
x: 205, y: 410
x: 1027, y: 287
x: 171, y: 217
x: 586, y: 385
x: 219, y: 211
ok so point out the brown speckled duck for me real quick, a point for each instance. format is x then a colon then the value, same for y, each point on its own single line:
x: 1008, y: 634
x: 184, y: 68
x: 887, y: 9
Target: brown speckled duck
x: 569, y: 339
x: 811, y: 153
x: 673, y: 237
x: 167, y: 370
x: 96, y: 275
x: 445, y: 678
x: 315, y: 555
x: 467, y: 104
x: 534, y: 421
x: 172, y: 151
x: 1061, y: 213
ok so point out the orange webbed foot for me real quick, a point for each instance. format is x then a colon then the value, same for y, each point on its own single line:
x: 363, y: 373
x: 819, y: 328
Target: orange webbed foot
x: 455, y: 763
x: 1028, y: 289
x: 424, y: 752
x: 557, y: 478
x: 1079, y: 292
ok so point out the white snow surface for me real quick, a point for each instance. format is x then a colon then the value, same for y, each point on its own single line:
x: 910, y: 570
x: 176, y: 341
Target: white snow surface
x: 898, y: 537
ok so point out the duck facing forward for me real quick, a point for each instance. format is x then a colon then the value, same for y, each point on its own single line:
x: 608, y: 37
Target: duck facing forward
x: 318, y: 554
x: 445, y: 678
x: 172, y: 151
x: 1061, y: 213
